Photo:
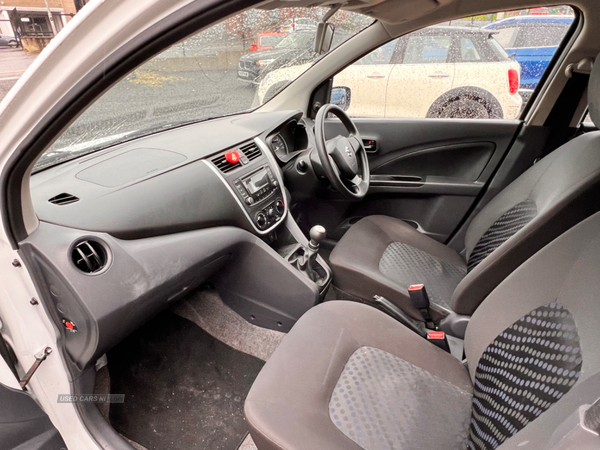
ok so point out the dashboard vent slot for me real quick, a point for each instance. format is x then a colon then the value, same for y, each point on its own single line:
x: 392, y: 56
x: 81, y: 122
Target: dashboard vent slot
x: 89, y: 256
x: 251, y: 151
x: 63, y: 199
x: 223, y: 165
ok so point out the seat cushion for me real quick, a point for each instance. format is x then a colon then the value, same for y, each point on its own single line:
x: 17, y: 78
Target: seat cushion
x: 383, y: 255
x: 358, y: 379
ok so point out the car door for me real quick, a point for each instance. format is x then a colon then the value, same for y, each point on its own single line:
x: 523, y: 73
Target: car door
x: 422, y: 74
x: 23, y: 424
x: 429, y: 172
x: 368, y: 79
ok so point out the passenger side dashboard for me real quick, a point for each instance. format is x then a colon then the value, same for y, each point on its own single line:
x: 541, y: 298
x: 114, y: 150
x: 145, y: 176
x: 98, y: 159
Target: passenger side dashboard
x: 127, y: 231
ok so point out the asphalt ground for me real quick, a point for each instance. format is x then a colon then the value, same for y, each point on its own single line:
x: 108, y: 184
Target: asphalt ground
x: 148, y: 99
x: 13, y: 62
x: 145, y: 99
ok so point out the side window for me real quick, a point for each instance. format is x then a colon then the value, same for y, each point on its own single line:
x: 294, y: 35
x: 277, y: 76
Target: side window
x: 468, y: 52
x: 482, y: 67
x: 382, y: 55
x: 426, y: 49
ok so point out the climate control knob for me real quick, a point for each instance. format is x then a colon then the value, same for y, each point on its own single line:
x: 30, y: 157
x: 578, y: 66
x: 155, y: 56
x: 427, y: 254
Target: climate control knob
x: 270, y: 212
x: 261, y: 220
x: 279, y: 207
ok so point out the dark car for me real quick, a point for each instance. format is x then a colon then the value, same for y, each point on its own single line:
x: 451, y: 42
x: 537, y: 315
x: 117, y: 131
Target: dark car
x: 297, y: 48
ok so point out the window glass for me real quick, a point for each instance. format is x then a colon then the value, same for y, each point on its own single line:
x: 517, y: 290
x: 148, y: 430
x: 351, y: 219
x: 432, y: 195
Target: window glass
x: 214, y: 73
x: 426, y: 49
x: 506, y: 54
x: 506, y: 36
x: 382, y: 55
x: 541, y: 35
x: 468, y: 52
x: 270, y: 40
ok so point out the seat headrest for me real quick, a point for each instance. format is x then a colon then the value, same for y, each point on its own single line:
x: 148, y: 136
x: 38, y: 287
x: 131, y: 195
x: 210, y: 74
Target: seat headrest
x: 594, y: 92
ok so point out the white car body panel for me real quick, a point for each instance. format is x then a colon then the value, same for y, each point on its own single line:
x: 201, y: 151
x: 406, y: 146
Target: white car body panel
x: 369, y: 88
x: 414, y: 87
x: 493, y: 77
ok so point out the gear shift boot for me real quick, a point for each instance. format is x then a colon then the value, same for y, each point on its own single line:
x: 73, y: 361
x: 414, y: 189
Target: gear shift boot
x: 305, y: 258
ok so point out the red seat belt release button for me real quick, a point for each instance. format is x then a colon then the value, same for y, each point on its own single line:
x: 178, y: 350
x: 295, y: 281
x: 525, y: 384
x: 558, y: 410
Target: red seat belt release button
x: 438, y: 338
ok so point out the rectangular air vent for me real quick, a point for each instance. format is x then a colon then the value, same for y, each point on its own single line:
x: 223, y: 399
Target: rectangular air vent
x: 223, y: 165
x: 251, y: 151
x: 63, y: 199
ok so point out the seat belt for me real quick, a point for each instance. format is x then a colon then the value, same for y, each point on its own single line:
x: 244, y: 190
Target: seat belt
x: 561, y: 117
x: 420, y: 300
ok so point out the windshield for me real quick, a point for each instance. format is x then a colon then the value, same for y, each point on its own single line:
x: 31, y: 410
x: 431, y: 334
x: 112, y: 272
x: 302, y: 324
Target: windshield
x: 298, y: 40
x: 211, y: 74
x: 269, y: 40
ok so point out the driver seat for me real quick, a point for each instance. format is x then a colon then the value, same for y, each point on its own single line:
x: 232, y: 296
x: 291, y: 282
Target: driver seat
x: 383, y: 256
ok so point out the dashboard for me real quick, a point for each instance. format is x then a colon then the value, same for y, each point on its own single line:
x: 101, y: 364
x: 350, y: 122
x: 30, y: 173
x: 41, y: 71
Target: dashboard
x: 126, y: 231
x: 177, y: 180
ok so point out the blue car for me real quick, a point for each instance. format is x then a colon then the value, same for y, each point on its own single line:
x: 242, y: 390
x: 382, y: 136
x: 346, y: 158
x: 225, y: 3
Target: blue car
x: 532, y: 41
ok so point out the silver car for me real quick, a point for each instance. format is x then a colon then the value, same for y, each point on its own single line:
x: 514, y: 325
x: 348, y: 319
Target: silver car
x: 8, y: 41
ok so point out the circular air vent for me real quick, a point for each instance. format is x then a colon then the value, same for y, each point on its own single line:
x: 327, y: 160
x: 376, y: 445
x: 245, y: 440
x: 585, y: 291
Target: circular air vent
x: 89, y: 256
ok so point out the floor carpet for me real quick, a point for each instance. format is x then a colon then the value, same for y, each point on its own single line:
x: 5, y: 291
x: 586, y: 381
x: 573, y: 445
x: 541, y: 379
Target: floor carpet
x: 183, y: 388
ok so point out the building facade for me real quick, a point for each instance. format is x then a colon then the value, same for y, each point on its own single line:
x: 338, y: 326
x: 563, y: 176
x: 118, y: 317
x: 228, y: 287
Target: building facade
x: 40, y: 18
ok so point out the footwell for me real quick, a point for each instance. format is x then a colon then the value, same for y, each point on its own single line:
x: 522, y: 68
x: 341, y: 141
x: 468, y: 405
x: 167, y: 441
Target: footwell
x: 183, y: 388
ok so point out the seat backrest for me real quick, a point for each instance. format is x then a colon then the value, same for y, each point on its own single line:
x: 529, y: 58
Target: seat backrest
x: 533, y: 344
x: 556, y: 193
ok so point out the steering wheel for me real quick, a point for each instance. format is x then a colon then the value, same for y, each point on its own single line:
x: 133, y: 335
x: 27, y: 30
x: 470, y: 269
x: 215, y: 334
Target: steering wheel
x: 344, y: 159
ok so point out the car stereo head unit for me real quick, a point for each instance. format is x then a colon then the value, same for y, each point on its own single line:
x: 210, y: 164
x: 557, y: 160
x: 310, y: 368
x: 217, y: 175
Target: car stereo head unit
x: 257, y: 186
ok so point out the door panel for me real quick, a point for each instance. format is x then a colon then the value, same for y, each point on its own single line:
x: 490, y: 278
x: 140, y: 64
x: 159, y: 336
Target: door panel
x: 24, y: 425
x: 427, y: 172
x: 463, y: 161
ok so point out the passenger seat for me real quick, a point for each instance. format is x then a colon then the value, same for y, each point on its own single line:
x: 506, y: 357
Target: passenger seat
x: 349, y: 377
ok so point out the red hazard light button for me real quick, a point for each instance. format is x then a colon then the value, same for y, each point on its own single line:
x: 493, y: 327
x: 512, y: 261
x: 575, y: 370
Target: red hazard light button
x: 69, y: 325
x: 233, y: 157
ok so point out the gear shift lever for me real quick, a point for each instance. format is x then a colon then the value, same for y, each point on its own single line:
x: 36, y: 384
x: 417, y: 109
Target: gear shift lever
x: 305, y: 262
x: 317, y: 234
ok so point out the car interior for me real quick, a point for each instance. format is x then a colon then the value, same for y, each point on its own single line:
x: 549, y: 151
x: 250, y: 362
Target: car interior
x: 292, y: 276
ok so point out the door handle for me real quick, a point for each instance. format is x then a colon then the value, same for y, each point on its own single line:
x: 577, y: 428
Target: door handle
x: 376, y: 75
x: 438, y: 75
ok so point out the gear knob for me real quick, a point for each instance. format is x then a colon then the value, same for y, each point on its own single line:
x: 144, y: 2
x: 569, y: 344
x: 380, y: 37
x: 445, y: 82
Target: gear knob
x: 317, y: 234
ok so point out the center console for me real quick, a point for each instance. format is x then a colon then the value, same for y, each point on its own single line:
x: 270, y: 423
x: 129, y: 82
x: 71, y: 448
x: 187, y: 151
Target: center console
x: 251, y: 174
x: 280, y: 276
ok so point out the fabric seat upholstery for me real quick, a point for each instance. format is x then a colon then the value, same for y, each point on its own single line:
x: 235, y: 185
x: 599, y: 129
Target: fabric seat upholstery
x: 383, y: 256
x: 292, y: 394
x: 349, y: 377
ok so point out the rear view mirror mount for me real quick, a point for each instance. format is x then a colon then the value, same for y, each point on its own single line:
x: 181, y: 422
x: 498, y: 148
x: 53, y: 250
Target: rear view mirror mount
x: 324, y: 37
x: 325, y: 31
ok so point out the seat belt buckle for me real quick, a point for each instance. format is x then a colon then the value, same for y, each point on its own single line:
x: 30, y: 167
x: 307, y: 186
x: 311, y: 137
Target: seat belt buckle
x: 420, y: 300
x: 438, y: 338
